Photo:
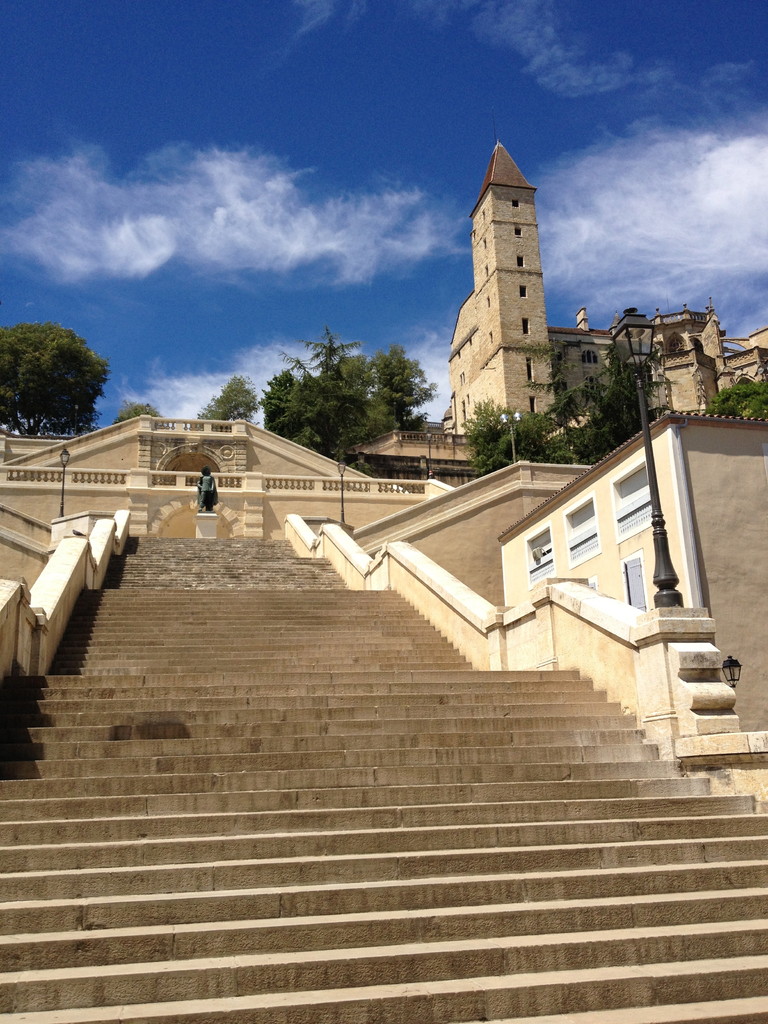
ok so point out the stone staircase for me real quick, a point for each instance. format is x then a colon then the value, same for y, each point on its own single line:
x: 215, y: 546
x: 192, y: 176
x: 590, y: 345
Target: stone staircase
x: 300, y: 806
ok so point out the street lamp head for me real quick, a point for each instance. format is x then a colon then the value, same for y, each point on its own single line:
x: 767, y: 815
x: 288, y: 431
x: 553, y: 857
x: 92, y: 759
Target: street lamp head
x: 732, y: 670
x: 64, y: 457
x: 633, y: 337
x: 341, y: 467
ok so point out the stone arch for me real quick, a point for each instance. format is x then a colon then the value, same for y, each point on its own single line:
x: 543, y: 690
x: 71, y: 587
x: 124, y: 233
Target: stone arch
x: 177, y: 519
x: 674, y: 344
x: 189, y: 458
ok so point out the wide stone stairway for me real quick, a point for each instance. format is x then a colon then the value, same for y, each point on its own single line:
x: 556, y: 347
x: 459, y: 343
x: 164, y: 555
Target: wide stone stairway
x: 248, y: 795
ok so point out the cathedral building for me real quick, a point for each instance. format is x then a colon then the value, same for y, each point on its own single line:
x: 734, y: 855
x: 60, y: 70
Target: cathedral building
x: 502, y: 345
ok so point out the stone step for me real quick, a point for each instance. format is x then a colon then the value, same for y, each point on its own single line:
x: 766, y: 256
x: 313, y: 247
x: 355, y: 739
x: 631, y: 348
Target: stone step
x: 339, y: 756
x: 554, y: 844
x: 523, y: 973
x: 659, y: 894
x: 55, y: 742
x: 502, y: 999
x: 251, y: 821
x: 563, y: 799
x: 230, y: 745
x: 32, y: 786
x: 140, y: 942
x: 265, y: 892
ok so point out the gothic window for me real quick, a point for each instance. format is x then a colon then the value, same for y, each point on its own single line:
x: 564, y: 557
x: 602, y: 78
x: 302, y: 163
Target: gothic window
x: 674, y: 344
x: 589, y: 356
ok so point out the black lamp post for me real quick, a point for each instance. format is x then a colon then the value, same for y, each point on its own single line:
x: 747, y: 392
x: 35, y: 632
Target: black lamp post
x: 732, y: 670
x: 64, y: 459
x: 633, y: 336
x: 342, y: 466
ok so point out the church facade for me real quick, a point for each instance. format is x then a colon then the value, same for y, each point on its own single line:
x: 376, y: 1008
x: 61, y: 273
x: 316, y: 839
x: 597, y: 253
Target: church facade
x: 502, y: 346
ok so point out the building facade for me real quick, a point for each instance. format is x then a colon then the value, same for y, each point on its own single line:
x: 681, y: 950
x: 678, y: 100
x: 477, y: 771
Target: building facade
x: 502, y: 345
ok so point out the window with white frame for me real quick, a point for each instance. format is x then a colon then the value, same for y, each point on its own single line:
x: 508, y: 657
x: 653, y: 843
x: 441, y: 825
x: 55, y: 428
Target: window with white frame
x: 633, y: 502
x: 583, y: 541
x: 541, y: 561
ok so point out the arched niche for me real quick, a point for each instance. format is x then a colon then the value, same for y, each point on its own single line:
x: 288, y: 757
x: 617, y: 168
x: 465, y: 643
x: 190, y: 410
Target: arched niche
x: 188, y: 459
x: 177, y: 519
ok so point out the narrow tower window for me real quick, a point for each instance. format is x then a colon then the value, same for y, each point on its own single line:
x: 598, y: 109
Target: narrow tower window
x: 526, y: 325
x: 529, y: 369
x: 515, y: 202
x: 520, y: 261
x: 532, y: 403
x: 523, y: 291
x: 518, y: 231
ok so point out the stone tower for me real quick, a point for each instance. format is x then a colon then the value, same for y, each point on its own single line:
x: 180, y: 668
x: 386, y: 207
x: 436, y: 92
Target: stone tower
x: 504, y: 316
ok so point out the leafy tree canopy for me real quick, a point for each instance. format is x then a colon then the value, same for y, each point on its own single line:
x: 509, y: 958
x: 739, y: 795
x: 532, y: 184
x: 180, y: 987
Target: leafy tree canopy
x: 581, y: 425
x: 50, y: 380
x: 237, y: 400
x: 747, y: 398
x: 537, y: 438
x: 128, y: 410
x: 338, y: 397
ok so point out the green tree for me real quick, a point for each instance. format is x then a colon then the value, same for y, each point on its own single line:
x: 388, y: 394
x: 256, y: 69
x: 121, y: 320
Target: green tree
x: 611, y: 409
x: 50, y: 380
x: 237, y: 400
x: 327, y: 407
x: 747, y: 398
x: 128, y: 410
x: 338, y: 397
x: 489, y: 439
x: 400, y: 385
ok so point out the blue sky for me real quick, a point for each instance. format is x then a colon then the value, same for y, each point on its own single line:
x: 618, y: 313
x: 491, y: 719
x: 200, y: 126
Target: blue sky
x: 196, y: 185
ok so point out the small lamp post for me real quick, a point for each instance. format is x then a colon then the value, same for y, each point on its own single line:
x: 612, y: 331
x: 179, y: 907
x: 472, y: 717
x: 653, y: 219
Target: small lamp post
x: 732, y: 670
x: 64, y: 459
x: 633, y: 337
x: 516, y: 417
x: 341, y: 467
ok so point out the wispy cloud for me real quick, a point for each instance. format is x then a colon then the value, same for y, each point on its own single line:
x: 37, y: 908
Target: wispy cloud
x: 534, y: 30
x: 183, y: 395
x: 214, y: 211
x: 663, y: 215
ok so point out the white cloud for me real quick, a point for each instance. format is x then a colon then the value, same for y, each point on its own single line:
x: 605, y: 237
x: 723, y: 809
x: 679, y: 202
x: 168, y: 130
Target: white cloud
x: 534, y: 30
x: 184, y: 395
x: 666, y: 215
x: 214, y: 211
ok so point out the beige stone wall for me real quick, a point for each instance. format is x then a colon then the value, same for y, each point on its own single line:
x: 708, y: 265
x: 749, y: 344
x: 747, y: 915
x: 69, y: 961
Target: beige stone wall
x: 729, y: 487
x: 605, y: 566
x: 719, y: 548
x: 459, y: 530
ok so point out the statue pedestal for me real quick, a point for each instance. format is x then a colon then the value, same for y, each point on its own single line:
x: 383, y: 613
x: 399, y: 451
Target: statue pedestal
x: 206, y: 525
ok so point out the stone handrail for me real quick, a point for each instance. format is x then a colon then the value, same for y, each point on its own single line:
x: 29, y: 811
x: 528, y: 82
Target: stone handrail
x: 32, y: 622
x: 661, y: 666
x: 459, y: 613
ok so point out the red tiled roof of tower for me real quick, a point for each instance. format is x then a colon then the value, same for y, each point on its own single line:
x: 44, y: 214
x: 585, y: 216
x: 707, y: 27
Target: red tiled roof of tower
x: 502, y: 170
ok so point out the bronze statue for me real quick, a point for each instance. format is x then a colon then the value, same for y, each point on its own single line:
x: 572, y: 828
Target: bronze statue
x: 207, y: 495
